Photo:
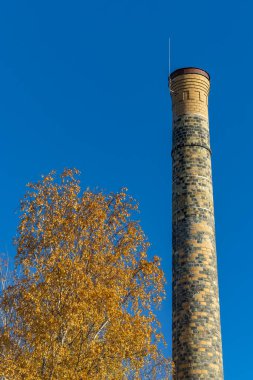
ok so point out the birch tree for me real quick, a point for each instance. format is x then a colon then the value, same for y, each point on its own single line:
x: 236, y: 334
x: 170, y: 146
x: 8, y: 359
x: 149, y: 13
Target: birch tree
x: 83, y: 304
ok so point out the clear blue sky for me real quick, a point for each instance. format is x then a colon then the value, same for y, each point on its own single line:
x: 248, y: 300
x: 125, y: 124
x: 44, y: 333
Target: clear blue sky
x: 84, y: 84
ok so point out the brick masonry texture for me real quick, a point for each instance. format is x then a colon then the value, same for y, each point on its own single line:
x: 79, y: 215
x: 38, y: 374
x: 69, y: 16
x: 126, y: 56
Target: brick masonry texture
x: 197, y: 351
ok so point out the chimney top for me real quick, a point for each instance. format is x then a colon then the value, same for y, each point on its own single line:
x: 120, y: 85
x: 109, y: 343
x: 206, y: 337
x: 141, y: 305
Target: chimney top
x: 189, y: 70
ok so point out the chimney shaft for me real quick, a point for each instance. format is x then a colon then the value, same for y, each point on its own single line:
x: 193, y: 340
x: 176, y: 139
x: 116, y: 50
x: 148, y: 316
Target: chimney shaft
x: 197, y: 351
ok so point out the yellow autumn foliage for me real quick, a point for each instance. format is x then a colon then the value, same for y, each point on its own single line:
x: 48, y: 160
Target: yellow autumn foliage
x: 82, y: 306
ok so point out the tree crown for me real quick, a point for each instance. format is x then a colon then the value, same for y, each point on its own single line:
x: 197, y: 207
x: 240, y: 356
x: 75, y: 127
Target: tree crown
x: 83, y: 305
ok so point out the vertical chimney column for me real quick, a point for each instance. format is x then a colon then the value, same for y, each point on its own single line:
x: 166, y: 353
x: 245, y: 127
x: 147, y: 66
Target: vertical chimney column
x: 197, y: 351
